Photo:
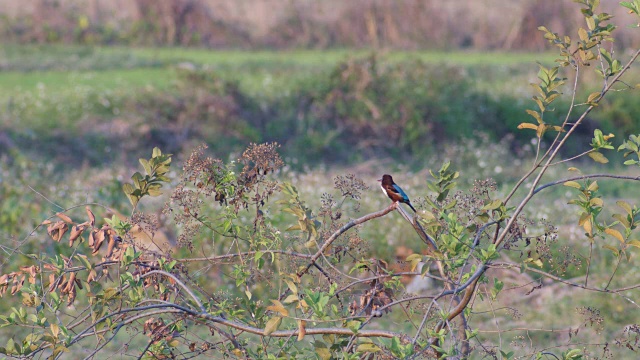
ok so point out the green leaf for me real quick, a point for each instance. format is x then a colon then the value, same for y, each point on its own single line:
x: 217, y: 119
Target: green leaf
x: 492, y: 205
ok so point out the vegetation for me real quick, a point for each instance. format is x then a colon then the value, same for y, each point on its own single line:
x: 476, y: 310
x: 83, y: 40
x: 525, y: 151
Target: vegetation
x: 357, y: 107
x: 261, y: 270
x: 410, y: 24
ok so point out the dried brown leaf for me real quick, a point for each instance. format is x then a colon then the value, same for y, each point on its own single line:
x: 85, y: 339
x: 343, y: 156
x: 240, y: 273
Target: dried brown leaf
x: 76, y: 232
x: 91, y: 239
x: 57, y: 230
x: 64, y: 218
x: 18, y: 281
x: 72, y: 296
x: 92, y: 218
x: 92, y: 276
x: 52, y: 282
x: 70, y: 285
x: 302, y: 331
x: 98, y: 240
x: 111, y: 245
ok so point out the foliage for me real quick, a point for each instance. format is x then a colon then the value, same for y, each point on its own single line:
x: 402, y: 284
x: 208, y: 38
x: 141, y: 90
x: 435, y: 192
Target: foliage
x: 255, y: 288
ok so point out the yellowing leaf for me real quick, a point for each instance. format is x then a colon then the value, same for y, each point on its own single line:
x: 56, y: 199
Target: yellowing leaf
x: 368, y: 347
x: 593, y: 186
x: 414, y: 257
x: 272, y: 325
x: 537, y: 262
x: 615, y: 233
x: 598, y: 157
x: 292, y: 286
x: 291, y: 298
x: 634, y: 242
x: 584, y: 217
x: 237, y: 352
x: 612, y: 249
x: 528, y: 126
x: 625, y: 205
x: 593, y: 96
x: 278, y: 307
x: 535, y: 115
x: 573, y: 169
x: 302, y: 331
x: 573, y: 184
x: 582, y: 33
x: 173, y: 343
x: 596, y: 202
x: 587, y: 227
x: 323, y: 353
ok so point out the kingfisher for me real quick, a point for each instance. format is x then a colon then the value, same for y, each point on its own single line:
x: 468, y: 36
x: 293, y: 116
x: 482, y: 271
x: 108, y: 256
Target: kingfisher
x: 393, y: 191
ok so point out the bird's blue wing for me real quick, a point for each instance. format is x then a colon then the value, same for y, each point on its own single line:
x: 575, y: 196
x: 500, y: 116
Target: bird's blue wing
x: 399, y: 191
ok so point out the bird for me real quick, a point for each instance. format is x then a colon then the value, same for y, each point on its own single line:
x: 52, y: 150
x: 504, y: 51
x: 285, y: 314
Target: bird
x: 393, y: 191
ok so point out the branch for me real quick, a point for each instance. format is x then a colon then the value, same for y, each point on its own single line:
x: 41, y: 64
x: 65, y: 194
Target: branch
x: 618, y: 292
x: 248, y: 253
x: 431, y: 243
x: 342, y: 230
x: 592, y: 176
x: 553, y: 154
x: 164, y: 273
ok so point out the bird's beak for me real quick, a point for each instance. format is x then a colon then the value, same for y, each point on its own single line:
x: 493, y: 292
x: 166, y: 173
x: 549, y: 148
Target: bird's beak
x: 379, y: 180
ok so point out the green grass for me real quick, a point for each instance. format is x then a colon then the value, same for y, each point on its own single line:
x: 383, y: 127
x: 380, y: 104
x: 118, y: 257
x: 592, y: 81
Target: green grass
x: 61, y: 67
x: 118, y: 79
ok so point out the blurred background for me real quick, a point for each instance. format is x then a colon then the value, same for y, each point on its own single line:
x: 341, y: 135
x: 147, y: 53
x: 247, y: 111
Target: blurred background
x: 288, y: 24
x: 88, y: 86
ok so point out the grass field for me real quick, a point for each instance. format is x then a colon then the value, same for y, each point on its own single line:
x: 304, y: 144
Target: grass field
x: 62, y: 67
x: 78, y: 118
